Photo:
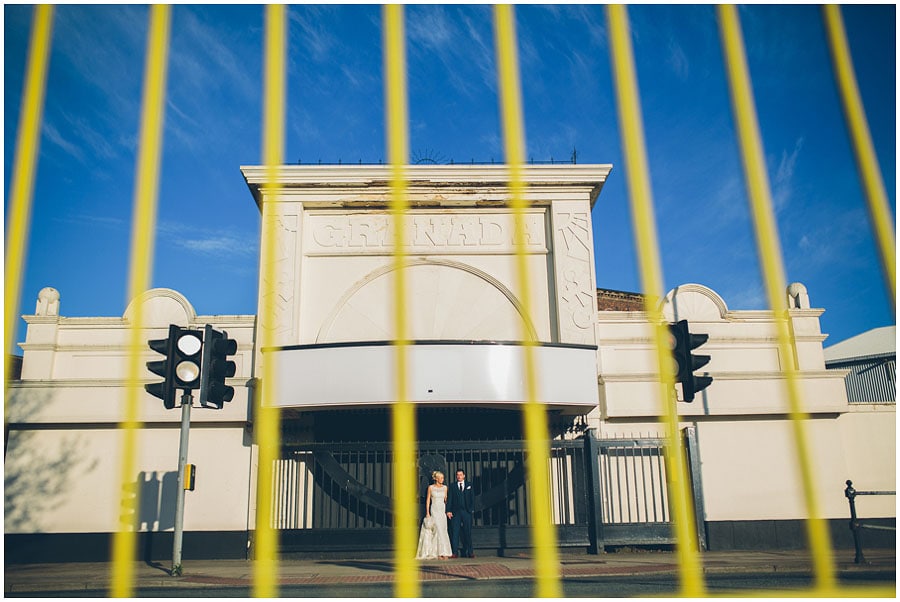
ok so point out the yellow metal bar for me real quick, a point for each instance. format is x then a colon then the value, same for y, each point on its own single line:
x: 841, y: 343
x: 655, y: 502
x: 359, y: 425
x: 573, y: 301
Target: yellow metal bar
x: 24, y: 167
x: 143, y: 230
x: 403, y: 412
x: 547, y: 569
x: 267, y: 428
x: 864, y: 150
x: 773, y: 274
x: 644, y: 224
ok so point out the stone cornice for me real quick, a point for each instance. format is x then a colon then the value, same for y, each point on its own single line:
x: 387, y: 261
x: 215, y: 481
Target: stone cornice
x: 749, y: 376
x: 32, y: 319
x: 639, y: 342
x: 732, y: 315
x: 119, y: 383
x: 375, y: 179
x: 220, y: 321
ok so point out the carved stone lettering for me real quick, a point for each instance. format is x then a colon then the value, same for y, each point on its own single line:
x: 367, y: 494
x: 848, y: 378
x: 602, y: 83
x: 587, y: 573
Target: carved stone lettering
x: 368, y: 232
x: 465, y: 231
x: 327, y: 235
x: 429, y: 232
x: 424, y: 232
x: 491, y: 232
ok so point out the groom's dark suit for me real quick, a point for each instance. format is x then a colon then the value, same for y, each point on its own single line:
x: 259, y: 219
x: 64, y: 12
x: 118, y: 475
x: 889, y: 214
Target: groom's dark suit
x: 461, y: 503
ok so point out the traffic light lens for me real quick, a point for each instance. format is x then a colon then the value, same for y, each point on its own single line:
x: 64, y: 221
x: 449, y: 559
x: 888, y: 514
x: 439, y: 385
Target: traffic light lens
x: 189, y: 345
x: 187, y: 371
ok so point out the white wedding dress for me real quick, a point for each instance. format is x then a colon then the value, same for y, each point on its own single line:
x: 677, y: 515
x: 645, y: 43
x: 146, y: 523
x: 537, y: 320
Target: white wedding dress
x: 434, y: 540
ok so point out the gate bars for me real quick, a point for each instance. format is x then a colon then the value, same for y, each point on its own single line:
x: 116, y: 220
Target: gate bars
x: 403, y: 413
x: 143, y: 230
x: 267, y: 429
x: 864, y: 151
x: 638, y: 177
x: 767, y: 241
x: 24, y: 166
x: 546, y: 560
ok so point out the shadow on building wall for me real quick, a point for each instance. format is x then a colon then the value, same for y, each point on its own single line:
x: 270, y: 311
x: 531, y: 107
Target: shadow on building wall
x: 148, y: 507
x: 40, y: 472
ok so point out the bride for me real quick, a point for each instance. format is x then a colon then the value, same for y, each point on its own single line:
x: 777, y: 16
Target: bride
x: 434, y: 542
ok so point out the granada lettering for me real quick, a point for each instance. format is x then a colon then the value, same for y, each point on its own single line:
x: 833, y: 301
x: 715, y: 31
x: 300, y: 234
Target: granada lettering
x: 429, y: 231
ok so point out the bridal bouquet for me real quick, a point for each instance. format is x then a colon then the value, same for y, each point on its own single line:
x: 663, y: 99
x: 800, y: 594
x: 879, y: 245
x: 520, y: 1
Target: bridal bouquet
x: 428, y: 523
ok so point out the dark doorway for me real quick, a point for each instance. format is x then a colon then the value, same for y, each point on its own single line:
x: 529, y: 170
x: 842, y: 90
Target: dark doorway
x: 432, y: 424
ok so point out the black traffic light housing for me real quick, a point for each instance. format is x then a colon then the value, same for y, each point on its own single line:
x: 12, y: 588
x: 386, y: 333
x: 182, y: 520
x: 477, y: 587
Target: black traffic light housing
x: 181, y: 367
x: 188, y: 349
x: 164, y: 390
x: 216, y: 368
x: 683, y: 343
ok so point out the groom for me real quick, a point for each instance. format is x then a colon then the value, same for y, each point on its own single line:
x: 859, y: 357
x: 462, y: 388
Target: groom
x: 460, y: 507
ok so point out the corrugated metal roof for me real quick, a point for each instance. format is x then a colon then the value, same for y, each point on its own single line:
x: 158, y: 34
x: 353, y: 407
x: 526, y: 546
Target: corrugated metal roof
x: 878, y: 341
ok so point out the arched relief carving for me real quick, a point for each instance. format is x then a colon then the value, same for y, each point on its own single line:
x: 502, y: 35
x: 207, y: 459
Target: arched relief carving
x: 693, y: 302
x: 278, y: 296
x: 447, y: 300
x: 161, y: 307
x: 576, y: 294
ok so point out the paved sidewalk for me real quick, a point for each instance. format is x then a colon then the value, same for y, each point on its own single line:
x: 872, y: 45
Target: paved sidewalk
x: 239, y: 573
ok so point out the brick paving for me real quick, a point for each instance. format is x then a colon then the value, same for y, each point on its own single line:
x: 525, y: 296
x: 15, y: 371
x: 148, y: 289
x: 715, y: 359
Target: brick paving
x: 239, y: 573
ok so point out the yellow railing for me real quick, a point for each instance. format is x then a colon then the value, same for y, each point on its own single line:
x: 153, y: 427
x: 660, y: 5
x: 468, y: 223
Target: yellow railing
x: 543, y: 537
x: 24, y: 166
x: 403, y: 412
x: 143, y: 230
x: 638, y: 175
x: 769, y: 249
x: 267, y: 427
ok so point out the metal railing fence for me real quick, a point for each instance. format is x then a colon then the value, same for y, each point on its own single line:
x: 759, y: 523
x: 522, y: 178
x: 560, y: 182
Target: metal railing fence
x: 604, y: 492
x: 637, y: 173
x: 855, y: 522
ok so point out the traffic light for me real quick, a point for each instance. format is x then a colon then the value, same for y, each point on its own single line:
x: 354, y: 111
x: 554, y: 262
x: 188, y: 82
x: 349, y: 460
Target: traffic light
x: 683, y: 342
x: 181, y: 368
x: 216, y: 368
x: 166, y: 389
x: 187, y: 348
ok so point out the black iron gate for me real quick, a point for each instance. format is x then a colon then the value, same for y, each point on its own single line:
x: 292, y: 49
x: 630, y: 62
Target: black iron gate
x: 337, y: 496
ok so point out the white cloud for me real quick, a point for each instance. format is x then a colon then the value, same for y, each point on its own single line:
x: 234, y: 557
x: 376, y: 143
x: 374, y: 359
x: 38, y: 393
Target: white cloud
x: 783, y: 182
x: 834, y: 242
x: 95, y: 221
x: 593, y: 19
x: 100, y: 43
x: 317, y: 41
x: 458, y: 43
x: 750, y: 296
x: 209, y: 66
x: 206, y: 241
x: 230, y: 67
x: 431, y: 28
x: 678, y: 60
x: 54, y: 136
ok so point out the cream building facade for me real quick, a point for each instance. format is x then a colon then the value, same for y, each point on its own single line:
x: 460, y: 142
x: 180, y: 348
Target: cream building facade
x: 333, y: 299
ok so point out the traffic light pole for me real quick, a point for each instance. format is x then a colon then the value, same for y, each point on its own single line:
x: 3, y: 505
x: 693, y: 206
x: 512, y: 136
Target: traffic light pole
x: 186, y: 401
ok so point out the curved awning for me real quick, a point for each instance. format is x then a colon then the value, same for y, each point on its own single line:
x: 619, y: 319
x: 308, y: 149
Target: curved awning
x: 482, y: 373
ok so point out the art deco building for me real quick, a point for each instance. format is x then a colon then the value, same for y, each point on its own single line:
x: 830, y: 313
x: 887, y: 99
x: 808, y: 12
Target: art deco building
x: 468, y: 313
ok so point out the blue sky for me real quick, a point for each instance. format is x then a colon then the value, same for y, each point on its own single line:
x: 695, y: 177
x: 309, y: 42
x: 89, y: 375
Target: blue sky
x: 207, y: 220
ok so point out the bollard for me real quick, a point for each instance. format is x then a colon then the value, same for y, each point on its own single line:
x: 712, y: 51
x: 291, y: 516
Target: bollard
x: 850, y: 494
